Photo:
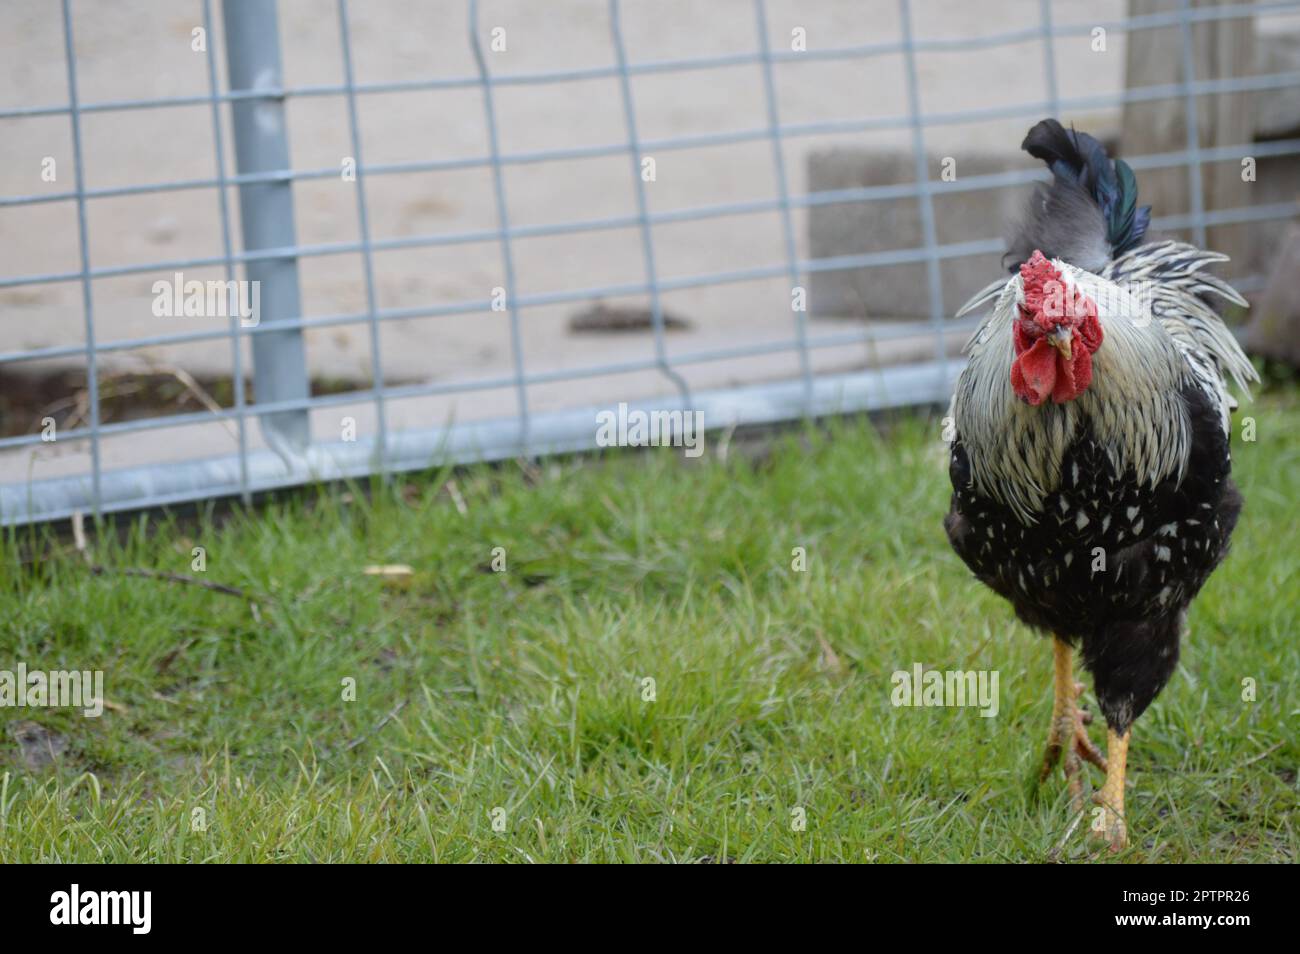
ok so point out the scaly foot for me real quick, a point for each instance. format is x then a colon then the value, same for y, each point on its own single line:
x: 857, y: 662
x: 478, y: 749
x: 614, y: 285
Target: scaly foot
x: 1069, y: 734
x: 1110, y: 822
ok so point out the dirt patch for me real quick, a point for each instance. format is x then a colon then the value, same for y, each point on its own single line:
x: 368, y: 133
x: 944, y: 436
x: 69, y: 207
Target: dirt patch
x: 38, y: 747
x: 28, y: 401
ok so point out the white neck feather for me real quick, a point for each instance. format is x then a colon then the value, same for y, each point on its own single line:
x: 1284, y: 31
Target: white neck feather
x: 1133, y: 407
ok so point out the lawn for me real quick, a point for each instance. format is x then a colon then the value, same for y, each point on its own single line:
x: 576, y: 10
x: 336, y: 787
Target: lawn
x: 647, y: 680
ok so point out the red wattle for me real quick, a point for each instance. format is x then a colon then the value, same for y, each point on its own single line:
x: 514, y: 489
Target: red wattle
x: 1073, y: 376
x: 1034, y: 372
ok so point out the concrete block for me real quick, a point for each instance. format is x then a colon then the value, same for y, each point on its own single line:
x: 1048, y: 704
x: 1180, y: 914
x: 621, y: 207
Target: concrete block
x: 1277, y: 111
x: 854, y: 228
x: 1274, y: 330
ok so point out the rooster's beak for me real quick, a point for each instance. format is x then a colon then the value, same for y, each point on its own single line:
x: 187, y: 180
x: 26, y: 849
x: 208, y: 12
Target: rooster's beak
x: 1060, y: 340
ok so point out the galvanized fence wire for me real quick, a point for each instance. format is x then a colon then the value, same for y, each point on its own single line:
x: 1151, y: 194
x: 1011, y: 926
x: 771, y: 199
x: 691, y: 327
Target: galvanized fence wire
x: 1192, y: 121
x: 920, y: 160
x: 83, y: 248
x: 503, y: 225
x: 282, y: 406
x: 227, y: 247
x: 367, y: 253
x: 783, y: 193
x: 642, y: 205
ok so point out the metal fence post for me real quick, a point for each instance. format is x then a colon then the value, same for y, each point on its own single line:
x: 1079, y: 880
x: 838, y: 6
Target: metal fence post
x: 266, y: 217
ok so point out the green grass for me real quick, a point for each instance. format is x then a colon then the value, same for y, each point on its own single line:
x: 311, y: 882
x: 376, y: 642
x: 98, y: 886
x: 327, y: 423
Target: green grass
x: 523, y: 691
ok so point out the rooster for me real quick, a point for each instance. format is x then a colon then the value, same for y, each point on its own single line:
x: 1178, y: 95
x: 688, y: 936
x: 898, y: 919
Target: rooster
x: 1090, y: 460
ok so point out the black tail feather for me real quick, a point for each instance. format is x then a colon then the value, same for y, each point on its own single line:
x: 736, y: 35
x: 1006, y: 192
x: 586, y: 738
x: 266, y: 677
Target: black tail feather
x: 1089, y: 214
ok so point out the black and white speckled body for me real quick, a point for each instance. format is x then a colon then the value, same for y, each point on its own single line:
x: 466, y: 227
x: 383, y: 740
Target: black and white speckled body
x: 1110, y: 564
x: 1100, y: 517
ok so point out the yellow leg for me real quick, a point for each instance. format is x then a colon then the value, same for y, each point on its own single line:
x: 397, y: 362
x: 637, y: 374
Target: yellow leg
x: 1067, y: 733
x: 1062, y: 726
x: 1111, y: 796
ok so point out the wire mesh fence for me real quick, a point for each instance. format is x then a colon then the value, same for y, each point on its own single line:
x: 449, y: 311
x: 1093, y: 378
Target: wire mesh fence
x: 258, y: 292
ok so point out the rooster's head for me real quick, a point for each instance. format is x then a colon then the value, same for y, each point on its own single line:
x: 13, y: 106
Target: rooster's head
x: 1056, y: 333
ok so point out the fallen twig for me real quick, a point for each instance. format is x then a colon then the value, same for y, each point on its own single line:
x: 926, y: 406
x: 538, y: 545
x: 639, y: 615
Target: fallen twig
x: 454, y: 492
x: 99, y: 570
x: 389, y: 717
x: 1055, y: 853
x: 193, y: 388
x: 79, y: 534
x: 1262, y: 755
